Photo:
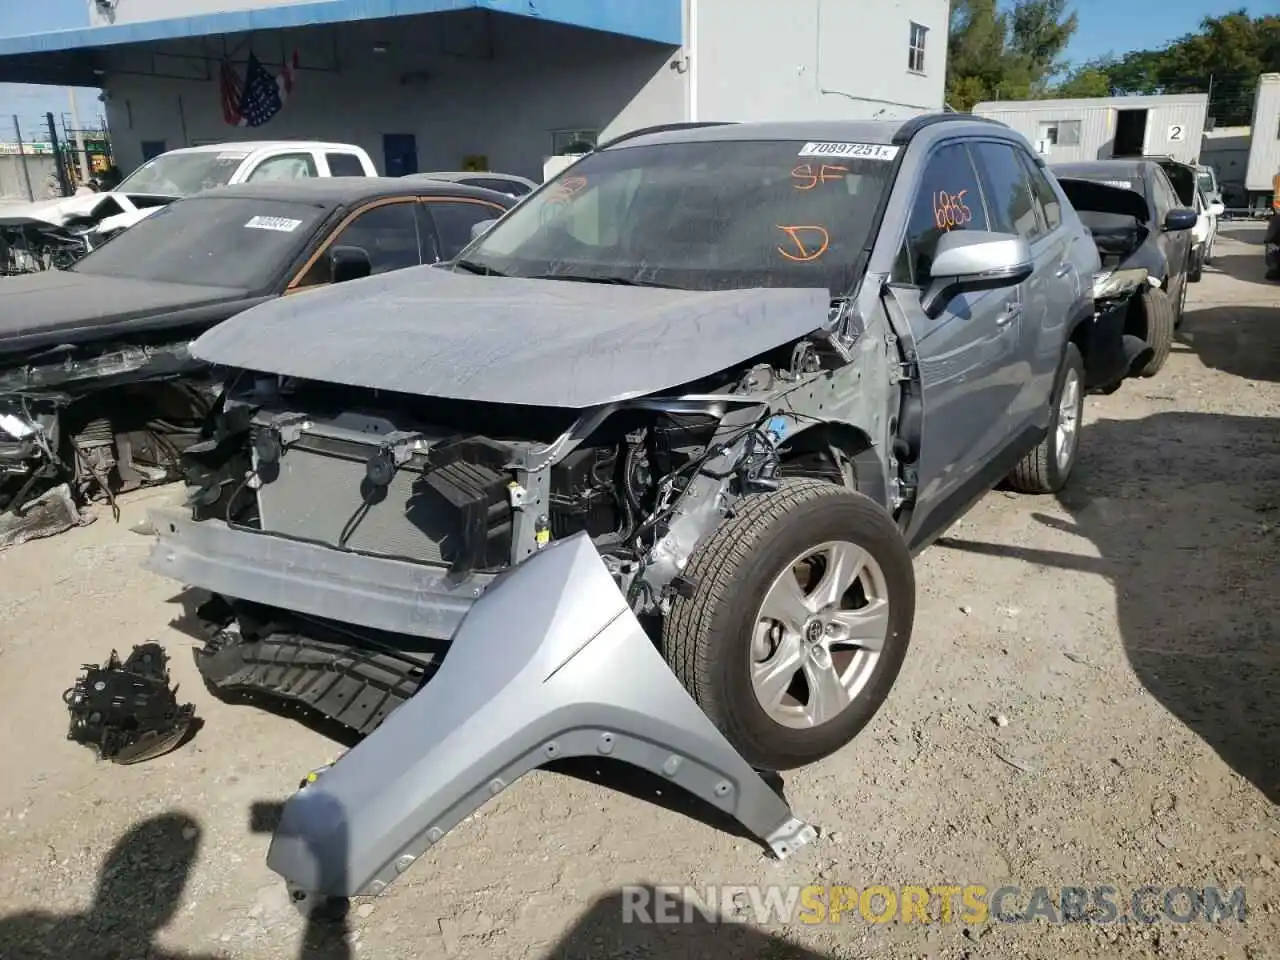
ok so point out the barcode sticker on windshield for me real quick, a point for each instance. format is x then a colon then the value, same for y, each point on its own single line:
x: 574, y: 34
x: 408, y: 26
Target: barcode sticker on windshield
x: 868, y: 151
x: 1118, y: 184
x: 231, y: 156
x: 279, y: 224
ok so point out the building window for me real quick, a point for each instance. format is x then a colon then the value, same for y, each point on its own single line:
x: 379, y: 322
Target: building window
x: 915, y: 55
x: 1061, y: 133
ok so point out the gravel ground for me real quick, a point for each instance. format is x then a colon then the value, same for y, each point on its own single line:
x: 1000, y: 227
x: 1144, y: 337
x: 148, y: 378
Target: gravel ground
x: 1090, y: 700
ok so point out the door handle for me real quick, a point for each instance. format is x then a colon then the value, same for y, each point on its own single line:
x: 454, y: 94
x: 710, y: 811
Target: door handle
x: 1063, y: 270
x: 1011, y: 310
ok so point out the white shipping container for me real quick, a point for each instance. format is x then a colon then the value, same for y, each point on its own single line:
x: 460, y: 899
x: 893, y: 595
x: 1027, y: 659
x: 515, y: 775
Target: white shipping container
x: 1264, y: 145
x: 1103, y: 128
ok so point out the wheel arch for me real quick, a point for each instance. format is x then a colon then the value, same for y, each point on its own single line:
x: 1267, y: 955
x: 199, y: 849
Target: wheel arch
x: 817, y: 449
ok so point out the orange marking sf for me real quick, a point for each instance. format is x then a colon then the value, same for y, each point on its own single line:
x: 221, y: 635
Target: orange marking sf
x: 950, y: 210
x: 809, y: 242
x: 825, y: 172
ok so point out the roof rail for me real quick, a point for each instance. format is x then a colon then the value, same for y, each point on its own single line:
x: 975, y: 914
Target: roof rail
x: 916, y: 124
x: 660, y: 128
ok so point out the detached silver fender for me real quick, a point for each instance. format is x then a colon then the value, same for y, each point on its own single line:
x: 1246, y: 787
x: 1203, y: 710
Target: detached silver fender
x: 550, y: 662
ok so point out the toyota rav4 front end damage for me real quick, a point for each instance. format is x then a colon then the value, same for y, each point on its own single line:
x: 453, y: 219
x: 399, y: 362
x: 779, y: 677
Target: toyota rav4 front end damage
x: 639, y: 474
x: 353, y: 536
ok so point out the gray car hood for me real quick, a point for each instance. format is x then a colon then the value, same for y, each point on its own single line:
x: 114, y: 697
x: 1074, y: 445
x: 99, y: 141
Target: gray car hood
x: 549, y: 343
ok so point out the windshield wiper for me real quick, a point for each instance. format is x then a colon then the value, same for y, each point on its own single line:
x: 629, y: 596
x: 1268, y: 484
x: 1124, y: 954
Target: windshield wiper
x: 479, y: 268
x: 619, y: 281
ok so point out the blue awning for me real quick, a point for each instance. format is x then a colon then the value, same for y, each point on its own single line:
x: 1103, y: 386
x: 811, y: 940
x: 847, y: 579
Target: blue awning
x: 658, y: 20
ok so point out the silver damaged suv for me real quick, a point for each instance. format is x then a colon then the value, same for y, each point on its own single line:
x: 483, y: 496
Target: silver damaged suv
x: 640, y: 473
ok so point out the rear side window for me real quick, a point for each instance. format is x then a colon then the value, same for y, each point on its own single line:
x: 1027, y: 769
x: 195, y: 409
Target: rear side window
x: 947, y: 199
x: 387, y: 232
x: 344, y: 165
x: 1008, y: 190
x: 454, y: 220
x: 1046, y: 198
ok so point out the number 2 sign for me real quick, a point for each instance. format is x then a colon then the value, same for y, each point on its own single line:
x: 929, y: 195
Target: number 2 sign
x: 1177, y: 132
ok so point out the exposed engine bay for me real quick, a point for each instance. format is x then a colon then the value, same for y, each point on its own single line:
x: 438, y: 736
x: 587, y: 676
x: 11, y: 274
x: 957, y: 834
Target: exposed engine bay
x: 468, y: 490
x: 29, y: 245
x: 102, y: 420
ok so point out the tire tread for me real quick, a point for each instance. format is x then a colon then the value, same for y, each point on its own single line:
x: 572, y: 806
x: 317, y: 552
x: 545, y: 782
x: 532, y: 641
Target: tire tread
x: 1158, y: 308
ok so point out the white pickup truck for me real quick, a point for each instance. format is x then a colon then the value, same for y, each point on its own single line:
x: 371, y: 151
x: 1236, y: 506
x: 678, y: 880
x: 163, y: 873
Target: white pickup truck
x: 190, y: 170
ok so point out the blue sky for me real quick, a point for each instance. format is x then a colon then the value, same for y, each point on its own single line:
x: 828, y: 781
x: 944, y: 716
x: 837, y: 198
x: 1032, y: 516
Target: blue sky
x: 30, y: 103
x: 1117, y: 26
x: 1106, y: 26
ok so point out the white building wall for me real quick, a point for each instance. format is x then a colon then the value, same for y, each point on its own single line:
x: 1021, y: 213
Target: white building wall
x: 1264, y: 146
x: 1226, y: 149
x: 439, y: 84
x: 503, y: 94
x: 1097, y: 117
x: 813, y: 59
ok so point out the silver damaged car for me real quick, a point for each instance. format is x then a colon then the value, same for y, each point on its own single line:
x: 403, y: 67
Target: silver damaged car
x: 639, y: 474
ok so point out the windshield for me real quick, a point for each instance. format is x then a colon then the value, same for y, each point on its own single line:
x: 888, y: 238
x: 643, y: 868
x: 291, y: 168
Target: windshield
x: 183, y: 174
x: 700, y: 216
x: 210, y: 241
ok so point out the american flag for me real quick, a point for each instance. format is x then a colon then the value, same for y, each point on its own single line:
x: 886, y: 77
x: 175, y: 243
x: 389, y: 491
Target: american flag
x: 260, y: 96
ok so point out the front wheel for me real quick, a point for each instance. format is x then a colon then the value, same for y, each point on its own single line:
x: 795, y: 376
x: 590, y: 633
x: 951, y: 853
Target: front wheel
x: 797, y: 624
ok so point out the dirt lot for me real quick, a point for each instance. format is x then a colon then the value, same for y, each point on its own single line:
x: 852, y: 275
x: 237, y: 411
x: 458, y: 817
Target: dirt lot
x: 1093, y: 697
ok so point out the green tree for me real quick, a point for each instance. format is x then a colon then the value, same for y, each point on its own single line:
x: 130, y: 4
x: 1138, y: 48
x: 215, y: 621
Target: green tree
x: 1086, y: 82
x: 1004, y: 54
x: 1223, y: 58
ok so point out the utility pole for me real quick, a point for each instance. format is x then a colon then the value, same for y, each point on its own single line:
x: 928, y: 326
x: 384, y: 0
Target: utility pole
x: 82, y: 155
x: 59, y: 161
x: 22, y: 157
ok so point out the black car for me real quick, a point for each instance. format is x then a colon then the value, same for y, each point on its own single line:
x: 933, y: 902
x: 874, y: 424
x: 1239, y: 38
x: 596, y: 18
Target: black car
x: 96, y: 385
x: 1138, y: 220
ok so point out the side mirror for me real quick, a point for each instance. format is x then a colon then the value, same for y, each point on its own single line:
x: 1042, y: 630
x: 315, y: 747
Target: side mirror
x: 348, y: 263
x: 1217, y: 208
x: 1180, y: 218
x: 481, y: 228
x: 969, y: 260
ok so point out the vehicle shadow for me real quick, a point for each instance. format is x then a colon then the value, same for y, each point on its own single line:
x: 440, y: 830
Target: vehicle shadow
x: 1250, y: 268
x: 1240, y: 340
x: 328, y: 933
x: 140, y: 888
x: 613, y: 927
x: 1183, y: 510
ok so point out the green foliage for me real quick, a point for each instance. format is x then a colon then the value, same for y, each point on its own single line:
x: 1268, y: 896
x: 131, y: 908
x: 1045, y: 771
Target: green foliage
x: 1223, y: 58
x: 1005, y: 54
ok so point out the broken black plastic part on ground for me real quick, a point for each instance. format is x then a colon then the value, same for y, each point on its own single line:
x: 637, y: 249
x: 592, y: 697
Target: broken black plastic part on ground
x: 127, y: 711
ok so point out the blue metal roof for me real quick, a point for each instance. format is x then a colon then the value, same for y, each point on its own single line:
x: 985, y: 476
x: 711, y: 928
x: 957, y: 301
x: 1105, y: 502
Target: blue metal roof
x: 657, y: 20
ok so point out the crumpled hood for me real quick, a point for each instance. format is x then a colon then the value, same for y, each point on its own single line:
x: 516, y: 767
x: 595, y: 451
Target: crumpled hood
x: 64, y: 303
x: 59, y: 210
x: 433, y: 332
